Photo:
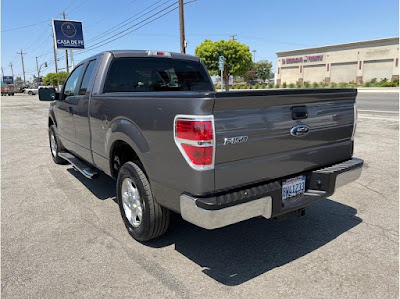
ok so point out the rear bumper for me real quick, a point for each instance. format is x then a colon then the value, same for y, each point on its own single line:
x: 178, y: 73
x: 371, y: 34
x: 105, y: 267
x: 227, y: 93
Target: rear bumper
x: 265, y: 199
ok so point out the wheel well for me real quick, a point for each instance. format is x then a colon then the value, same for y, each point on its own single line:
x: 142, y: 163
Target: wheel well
x: 121, y: 153
x: 50, y: 122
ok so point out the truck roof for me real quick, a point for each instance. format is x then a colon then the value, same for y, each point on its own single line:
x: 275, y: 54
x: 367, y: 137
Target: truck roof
x: 144, y: 53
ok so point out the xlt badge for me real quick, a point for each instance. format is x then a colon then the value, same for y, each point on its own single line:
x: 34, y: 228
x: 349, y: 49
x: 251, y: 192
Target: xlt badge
x: 235, y: 140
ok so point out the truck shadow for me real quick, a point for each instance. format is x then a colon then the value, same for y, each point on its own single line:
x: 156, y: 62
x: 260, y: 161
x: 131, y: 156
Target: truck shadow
x: 243, y: 251
x: 238, y: 253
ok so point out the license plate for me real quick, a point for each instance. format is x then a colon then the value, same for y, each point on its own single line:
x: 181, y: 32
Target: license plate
x: 293, y: 187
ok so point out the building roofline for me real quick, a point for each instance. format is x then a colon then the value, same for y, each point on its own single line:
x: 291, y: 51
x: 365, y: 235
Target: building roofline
x: 328, y: 47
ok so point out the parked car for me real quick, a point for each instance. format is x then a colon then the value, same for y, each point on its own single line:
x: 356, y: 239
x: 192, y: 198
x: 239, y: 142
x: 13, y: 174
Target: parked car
x: 255, y: 81
x: 31, y: 91
x: 153, y: 121
x: 8, y: 89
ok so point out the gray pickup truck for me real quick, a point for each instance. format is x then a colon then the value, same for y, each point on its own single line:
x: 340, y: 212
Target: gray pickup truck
x: 153, y: 121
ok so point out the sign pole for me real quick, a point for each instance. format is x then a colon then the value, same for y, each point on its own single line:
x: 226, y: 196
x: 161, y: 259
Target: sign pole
x: 66, y: 51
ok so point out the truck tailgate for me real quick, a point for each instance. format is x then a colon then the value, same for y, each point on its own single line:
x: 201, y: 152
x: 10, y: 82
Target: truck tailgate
x: 255, y: 136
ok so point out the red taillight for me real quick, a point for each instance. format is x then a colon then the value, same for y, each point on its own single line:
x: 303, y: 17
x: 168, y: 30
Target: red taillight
x: 194, y: 129
x: 199, y: 155
x: 194, y: 136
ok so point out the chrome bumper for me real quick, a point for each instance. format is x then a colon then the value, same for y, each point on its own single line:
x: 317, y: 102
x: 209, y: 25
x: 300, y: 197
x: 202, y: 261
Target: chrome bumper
x: 347, y: 177
x: 211, y: 219
x: 334, y: 177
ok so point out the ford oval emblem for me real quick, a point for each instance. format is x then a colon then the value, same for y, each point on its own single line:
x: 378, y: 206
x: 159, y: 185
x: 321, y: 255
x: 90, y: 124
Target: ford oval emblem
x: 299, y: 130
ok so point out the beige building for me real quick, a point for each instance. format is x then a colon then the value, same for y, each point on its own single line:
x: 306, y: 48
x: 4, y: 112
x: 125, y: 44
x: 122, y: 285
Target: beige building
x: 357, y: 62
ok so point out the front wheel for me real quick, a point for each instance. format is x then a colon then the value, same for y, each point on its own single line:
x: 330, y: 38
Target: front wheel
x: 143, y: 217
x: 30, y: 93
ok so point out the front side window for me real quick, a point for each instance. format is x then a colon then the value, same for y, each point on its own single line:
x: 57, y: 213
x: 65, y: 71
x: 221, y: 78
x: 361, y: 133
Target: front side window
x: 72, y: 81
x: 156, y: 74
x: 86, y: 78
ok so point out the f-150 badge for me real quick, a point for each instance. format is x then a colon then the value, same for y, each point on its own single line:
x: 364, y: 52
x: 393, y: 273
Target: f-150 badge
x: 235, y: 140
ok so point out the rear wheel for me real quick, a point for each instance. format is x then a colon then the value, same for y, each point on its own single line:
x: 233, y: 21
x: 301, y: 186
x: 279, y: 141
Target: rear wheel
x: 55, y: 146
x: 30, y: 93
x: 143, y: 217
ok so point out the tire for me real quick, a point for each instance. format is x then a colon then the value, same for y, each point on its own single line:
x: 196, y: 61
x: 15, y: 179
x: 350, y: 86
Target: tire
x: 154, y: 219
x: 58, y: 146
x: 30, y: 93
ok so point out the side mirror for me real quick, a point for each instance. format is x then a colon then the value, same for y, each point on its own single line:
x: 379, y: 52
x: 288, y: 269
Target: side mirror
x: 48, y: 94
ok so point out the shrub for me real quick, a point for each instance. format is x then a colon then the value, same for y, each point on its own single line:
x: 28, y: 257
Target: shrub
x: 307, y: 84
x: 277, y: 86
x: 343, y: 84
x: 368, y: 84
x: 291, y: 85
x: 315, y: 85
x: 333, y: 85
x: 284, y: 85
x: 270, y: 85
x: 323, y: 84
x: 299, y: 84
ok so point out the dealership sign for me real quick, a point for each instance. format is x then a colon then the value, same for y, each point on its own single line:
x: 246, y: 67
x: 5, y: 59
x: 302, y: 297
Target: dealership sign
x: 308, y: 58
x: 8, y: 79
x: 68, y: 34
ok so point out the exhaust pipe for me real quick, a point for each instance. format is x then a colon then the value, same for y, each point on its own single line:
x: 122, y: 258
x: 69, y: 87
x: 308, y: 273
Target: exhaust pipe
x: 300, y: 212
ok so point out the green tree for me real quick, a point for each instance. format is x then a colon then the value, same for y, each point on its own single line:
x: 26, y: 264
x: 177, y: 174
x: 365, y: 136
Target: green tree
x: 237, y: 58
x: 50, y: 79
x: 18, y: 81
x: 263, y: 69
x: 62, y: 77
x: 55, y: 79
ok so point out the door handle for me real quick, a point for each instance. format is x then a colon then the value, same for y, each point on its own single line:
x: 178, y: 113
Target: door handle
x: 70, y: 110
x: 299, y: 112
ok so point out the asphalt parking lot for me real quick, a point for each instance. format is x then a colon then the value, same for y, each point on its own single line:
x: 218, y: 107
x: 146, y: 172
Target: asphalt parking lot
x: 63, y: 237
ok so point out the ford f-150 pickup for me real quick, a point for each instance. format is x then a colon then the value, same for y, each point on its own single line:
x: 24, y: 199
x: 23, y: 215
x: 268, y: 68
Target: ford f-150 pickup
x: 153, y: 121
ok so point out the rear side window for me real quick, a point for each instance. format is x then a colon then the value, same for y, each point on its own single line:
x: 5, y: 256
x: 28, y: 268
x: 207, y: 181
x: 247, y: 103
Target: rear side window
x: 156, y: 74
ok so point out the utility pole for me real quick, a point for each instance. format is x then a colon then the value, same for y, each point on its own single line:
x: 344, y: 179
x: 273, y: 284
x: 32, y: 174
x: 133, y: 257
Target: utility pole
x: 254, y: 52
x: 233, y: 36
x: 182, y: 27
x: 23, y: 66
x: 12, y: 70
x: 38, y: 74
x: 2, y: 73
x: 66, y: 51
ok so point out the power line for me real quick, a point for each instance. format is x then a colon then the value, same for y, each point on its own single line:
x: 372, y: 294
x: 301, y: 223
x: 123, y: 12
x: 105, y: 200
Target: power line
x: 129, y: 20
x: 111, y: 39
x: 22, y: 27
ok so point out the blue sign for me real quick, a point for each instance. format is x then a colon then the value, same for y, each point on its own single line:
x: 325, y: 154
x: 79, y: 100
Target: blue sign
x: 8, y: 79
x: 68, y: 34
x: 221, y: 62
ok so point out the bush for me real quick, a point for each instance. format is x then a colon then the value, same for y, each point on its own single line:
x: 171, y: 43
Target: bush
x: 270, y: 85
x: 277, y: 86
x: 323, y: 84
x: 258, y: 86
x: 333, y: 85
x: 299, y: 84
x: 368, y: 84
x: 284, y: 85
x: 343, y: 84
x: 307, y: 84
x: 315, y: 85
x: 291, y: 85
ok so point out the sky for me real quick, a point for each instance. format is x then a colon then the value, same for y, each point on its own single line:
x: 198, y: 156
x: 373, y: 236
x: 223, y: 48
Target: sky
x: 265, y: 26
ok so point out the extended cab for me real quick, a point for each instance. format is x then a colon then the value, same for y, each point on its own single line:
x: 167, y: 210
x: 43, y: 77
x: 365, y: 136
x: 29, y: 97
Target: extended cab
x: 153, y: 121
